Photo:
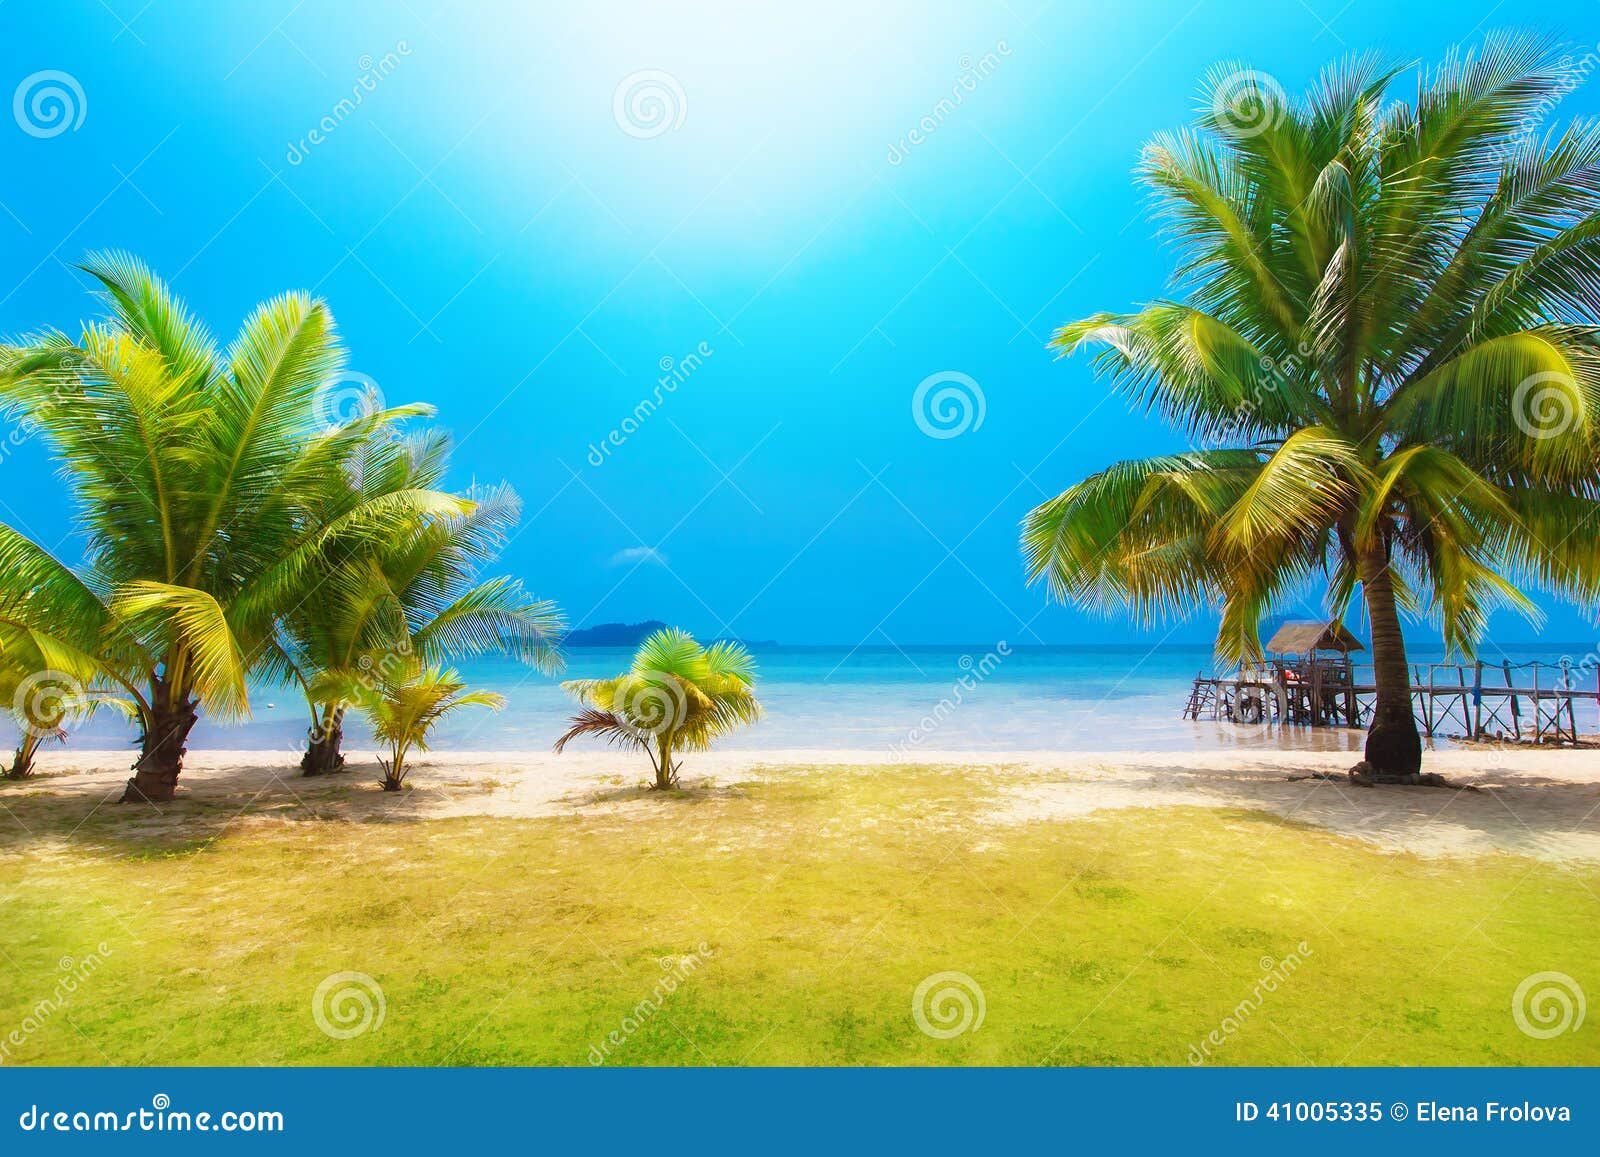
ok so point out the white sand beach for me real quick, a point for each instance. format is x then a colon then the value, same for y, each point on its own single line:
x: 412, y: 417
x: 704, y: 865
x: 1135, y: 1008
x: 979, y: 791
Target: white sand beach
x: 1539, y: 803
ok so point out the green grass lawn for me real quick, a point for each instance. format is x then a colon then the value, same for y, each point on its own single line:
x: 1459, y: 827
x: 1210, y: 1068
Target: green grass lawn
x: 824, y: 897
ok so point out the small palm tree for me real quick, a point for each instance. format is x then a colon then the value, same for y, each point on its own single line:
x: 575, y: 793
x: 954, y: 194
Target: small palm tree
x: 195, y: 471
x: 43, y: 685
x: 1386, y: 353
x: 403, y: 702
x: 677, y: 696
x: 417, y: 593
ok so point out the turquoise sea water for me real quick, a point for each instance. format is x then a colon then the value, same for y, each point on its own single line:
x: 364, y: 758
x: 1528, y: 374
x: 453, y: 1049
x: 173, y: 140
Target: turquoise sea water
x: 911, y: 700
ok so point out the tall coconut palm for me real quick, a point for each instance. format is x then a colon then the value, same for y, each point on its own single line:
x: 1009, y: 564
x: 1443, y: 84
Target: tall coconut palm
x: 677, y: 696
x: 192, y: 468
x: 1382, y: 342
x: 416, y: 594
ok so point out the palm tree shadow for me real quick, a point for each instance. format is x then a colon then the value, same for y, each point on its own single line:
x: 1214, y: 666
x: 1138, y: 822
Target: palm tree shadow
x: 1537, y: 815
x: 690, y: 792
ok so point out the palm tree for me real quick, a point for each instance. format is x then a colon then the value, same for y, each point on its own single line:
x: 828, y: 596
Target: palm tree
x: 1382, y: 341
x: 416, y: 594
x: 46, y: 682
x: 403, y: 702
x: 677, y: 696
x: 193, y: 470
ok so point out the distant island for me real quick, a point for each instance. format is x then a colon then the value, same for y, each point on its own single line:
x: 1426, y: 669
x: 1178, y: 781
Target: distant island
x: 613, y: 634
x: 632, y: 634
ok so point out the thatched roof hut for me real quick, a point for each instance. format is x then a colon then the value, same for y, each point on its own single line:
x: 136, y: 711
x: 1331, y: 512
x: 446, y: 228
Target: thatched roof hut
x: 1303, y: 638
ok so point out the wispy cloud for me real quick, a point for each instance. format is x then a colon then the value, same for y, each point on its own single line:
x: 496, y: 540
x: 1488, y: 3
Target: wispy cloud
x: 639, y: 554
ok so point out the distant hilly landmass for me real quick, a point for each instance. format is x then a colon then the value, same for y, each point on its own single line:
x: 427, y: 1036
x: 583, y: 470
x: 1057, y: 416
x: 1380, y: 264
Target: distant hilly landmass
x: 614, y: 634
x: 632, y: 634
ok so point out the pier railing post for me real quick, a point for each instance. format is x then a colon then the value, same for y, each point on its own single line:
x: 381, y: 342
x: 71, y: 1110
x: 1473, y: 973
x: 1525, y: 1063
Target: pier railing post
x: 1351, y: 717
x: 1566, y: 687
x: 1538, y: 708
x: 1516, y: 707
x: 1477, y: 700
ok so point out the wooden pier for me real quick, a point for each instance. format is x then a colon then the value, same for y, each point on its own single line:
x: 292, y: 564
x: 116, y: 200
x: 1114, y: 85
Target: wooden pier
x: 1310, y: 680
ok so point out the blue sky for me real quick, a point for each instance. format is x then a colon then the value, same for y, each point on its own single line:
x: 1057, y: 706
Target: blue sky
x: 532, y: 216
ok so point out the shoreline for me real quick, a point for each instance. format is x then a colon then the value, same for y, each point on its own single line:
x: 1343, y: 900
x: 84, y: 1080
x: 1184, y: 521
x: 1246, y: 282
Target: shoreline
x: 1542, y: 803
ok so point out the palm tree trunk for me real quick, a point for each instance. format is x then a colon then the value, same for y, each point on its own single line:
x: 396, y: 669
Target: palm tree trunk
x: 323, y: 754
x: 22, y: 765
x: 1394, y: 748
x: 394, y: 768
x: 155, y: 775
x: 664, y: 776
